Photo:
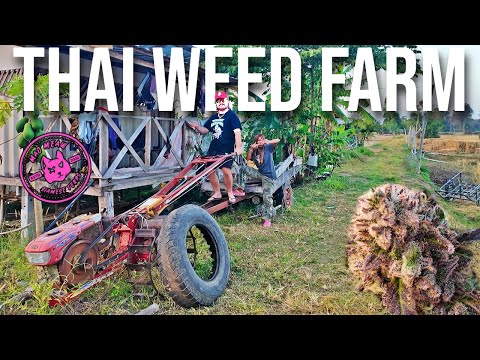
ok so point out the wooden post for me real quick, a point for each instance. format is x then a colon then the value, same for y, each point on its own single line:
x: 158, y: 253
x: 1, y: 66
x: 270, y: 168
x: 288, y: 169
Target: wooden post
x: 106, y: 200
x: 27, y: 215
x: 38, y: 211
x: 102, y: 146
x: 39, y: 223
x: 148, y: 144
x: 3, y: 191
x: 422, y: 137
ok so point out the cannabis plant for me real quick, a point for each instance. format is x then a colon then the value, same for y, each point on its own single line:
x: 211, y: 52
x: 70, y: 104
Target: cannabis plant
x: 401, y: 248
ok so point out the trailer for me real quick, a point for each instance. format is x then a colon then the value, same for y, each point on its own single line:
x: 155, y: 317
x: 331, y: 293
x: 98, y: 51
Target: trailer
x: 286, y: 172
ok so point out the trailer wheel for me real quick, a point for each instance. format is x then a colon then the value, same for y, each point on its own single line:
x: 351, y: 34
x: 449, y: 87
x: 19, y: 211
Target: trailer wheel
x: 287, y: 195
x: 256, y: 200
x: 193, y: 257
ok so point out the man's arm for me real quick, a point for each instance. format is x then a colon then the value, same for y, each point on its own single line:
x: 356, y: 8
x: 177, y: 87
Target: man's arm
x: 274, y: 142
x: 250, y: 151
x: 238, y: 142
x: 200, y: 128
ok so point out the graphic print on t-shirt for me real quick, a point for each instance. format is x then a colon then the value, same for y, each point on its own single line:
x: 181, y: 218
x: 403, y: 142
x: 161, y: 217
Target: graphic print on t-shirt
x: 217, y: 126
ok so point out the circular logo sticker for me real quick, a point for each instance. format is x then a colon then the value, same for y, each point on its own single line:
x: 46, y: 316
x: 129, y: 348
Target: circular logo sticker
x: 55, y: 167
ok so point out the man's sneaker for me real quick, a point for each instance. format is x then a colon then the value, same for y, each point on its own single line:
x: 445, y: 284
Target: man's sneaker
x: 238, y: 192
x: 267, y: 223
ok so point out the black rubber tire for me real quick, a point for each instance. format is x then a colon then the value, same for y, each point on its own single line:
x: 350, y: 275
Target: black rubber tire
x: 178, y: 276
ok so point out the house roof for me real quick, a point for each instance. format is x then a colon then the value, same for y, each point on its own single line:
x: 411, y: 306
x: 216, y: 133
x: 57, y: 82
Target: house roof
x: 143, y: 62
x: 148, y: 54
x: 7, y: 75
x: 142, y: 54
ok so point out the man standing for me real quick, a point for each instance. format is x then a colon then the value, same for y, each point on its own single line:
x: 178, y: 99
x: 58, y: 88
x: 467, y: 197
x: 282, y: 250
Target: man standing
x: 261, y: 153
x: 226, y: 138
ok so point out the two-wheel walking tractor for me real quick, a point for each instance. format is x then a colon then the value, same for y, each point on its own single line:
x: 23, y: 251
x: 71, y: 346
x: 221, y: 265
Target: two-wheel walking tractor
x: 184, y: 250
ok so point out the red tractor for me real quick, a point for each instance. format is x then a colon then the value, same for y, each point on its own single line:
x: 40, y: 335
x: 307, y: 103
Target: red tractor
x: 185, y: 249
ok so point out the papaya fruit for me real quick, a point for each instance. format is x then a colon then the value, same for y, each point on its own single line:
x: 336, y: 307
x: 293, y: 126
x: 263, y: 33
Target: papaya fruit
x: 21, y: 124
x: 38, y: 133
x: 39, y: 156
x: 22, y: 143
x: 28, y: 132
x: 37, y: 124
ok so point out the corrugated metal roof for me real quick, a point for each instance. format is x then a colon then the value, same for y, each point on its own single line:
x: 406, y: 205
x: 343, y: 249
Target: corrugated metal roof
x: 7, y: 75
x: 147, y: 54
x: 140, y: 52
x: 9, y: 149
x: 84, y: 86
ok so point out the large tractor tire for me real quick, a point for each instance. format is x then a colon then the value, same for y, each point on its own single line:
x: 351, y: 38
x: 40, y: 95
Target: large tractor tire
x: 192, y: 256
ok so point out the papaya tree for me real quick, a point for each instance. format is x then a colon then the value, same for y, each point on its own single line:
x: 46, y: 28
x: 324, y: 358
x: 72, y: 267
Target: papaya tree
x: 30, y: 126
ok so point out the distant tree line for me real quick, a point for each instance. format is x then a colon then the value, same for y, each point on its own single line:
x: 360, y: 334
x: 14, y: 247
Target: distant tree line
x: 438, y: 122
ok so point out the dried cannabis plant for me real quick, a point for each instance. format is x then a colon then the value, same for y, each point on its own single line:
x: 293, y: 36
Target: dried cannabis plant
x: 401, y: 248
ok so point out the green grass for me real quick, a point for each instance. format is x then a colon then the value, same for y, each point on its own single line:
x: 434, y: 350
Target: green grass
x: 296, y: 267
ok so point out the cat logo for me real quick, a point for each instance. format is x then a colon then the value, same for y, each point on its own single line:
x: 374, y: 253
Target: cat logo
x: 55, y: 168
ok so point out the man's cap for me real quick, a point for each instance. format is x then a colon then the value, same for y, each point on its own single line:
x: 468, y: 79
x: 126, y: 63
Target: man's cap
x: 220, y: 95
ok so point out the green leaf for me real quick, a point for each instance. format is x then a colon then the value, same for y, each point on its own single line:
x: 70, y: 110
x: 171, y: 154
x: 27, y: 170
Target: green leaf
x: 366, y: 115
x: 5, y: 112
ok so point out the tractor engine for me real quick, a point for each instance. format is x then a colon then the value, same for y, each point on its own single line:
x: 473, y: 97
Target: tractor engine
x: 63, y: 246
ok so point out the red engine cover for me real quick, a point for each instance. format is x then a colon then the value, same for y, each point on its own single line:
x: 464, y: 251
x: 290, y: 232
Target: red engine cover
x: 57, y: 240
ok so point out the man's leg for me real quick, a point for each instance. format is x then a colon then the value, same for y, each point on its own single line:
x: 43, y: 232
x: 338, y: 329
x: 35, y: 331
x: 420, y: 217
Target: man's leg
x: 240, y: 178
x: 228, y: 178
x: 268, y: 186
x: 215, y: 184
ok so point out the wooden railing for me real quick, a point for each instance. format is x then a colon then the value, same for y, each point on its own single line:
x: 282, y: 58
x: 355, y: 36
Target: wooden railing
x: 101, y: 169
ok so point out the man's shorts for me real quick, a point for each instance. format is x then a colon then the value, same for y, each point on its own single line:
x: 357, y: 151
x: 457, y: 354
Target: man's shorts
x: 228, y: 163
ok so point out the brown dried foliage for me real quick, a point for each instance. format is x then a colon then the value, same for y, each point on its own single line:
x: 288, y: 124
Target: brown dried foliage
x: 401, y: 248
